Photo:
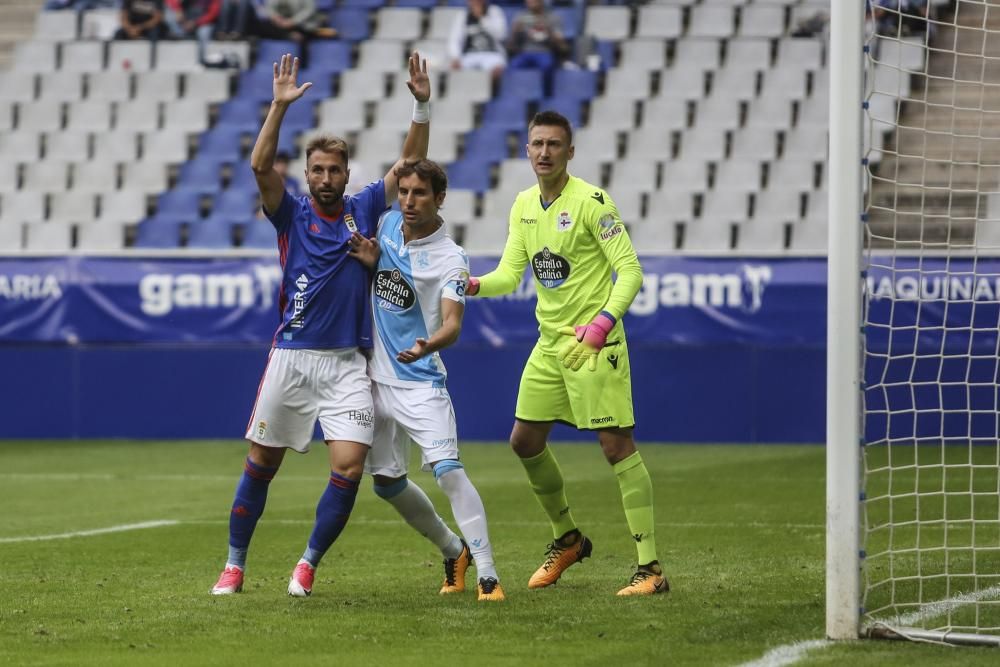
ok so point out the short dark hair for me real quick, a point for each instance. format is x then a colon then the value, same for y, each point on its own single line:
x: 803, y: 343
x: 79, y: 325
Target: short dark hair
x: 549, y: 117
x: 426, y: 170
x: 327, y: 143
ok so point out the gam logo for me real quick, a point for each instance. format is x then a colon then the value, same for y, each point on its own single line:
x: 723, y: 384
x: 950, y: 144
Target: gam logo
x: 719, y: 290
x: 161, y: 293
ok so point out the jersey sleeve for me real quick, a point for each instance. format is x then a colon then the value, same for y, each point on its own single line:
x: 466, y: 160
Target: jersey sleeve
x: 371, y: 200
x: 455, y: 278
x: 613, y: 240
x: 281, y: 218
x: 507, y: 276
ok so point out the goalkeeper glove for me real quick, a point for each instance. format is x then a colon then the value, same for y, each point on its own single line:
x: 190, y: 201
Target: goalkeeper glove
x: 587, y: 342
x: 472, y: 286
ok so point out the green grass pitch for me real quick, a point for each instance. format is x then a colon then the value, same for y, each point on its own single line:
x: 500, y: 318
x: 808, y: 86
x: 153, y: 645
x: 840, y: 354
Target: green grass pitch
x: 740, y: 531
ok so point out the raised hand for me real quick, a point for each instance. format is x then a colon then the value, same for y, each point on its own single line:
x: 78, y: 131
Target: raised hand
x: 419, y: 83
x: 286, y: 89
x: 418, y: 351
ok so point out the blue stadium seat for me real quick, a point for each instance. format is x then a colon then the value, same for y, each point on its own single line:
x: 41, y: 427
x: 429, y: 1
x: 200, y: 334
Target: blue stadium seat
x: 202, y: 175
x: 522, y: 84
x: 180, y: 203
x: 269, y: 51
x: 329, y: 56
x: 260, y: 234
x: 242, y: 113
x: 223, y: 143
x: 568, y: 107
x: 299, y: 116
x: 326, y: 5
x: 242, y: 178
x: 159, y: 232
x: 236, y: 203
x: 256, y: 84
x: 419, y: 4
x: 606, y: 50
x: 470, y: 174
x: 506, y: 113
x: 574, y: 84
x: 363, y: 4
x: 212, y: 232
x: 572, y: 20
x: 487, y: 144
x: 352, y: 24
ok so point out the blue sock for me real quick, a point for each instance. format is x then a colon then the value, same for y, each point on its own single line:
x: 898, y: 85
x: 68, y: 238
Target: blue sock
x: 332, y: 513
x: 248, y: 505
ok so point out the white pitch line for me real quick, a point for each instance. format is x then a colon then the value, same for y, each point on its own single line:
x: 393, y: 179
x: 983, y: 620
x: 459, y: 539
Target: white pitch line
x: 87, y: 533
x: 940, y: 608
x: 787, y: 654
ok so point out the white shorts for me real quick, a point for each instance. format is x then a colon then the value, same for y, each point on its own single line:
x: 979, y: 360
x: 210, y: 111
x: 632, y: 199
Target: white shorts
x: 301, y: 386
x: 423, y: 415
x: 488, y: 60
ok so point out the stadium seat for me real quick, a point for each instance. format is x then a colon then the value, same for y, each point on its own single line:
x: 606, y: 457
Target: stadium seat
x: 132, y: 56
x: 82, y: 57
x: 486, y: 144
x: 9, y: 176
x: 236, y: 203
x: 212, y: 232
x: 749, y: 53
x: 145, y: 177
x: 159, y: 232
x: 95, y: 176
x: 633, y: 174
x: 188, y: 114
x: 157, y: 86
x: 223, y: 144
x: 45, y: 176
x: 772, y: 112
x: 40, y: 116
x: 241, y: 113
x: 100, y: 236
x: 20, y: 146
x: 381, y: 56
x: 682, y: 84
x: 784, y: 83
x: 711, y: 21
x: 654, y: 235
x: 778, y: 203
x: 391, y: 115
x: 702, y: 54
x: 795, y: 174
x: 570, y: 19
x: 329, y: 56
x: 570, y: 108
x: 56, y: 26
x: 441, y: 20
x: 627, y: 84
x: 669, y: 205
x: 353, y: 23
x: 759, y: 143
x: 806, y: 142
x: 659, y: 21
x: 35, y: 56
x: 378, y: 148
x: 68, y: 146
x: 595, y: 142
x: 574, y: 84
x: 688, y: 176
x: 11, y: 234
x: 18, y: 86
x: 643, y: 54
x: 109, y: 86
x: 906, y: 53
x: 72, y: 206
x: 241, y: 177
x: 514, y: 174
x: 806, y: 54
x: 735, y: 83
x: 704, y: 143
x: 203, y: 175
x: 61, y: 86
x: 300, y: 116
x: 522, y: 84
x: 607, y: 22
x: 485, y: 236
x: 180, y: 203
x: 613, y: 113
x: 91, y: 115
x: 665, y: 111
x: 207, y: 85
x: 809, y: 236
x: 459, y: 206
x: 23, y: 206
x: 470, y: 173
x: 506, y: 113
x: 738, y: 176
x: 99, y: 23
x: 708, y: 236
x: 50, y: 236
x: 399, y: 23
x: 260, y: 234
x: 256, y: 85
x: 766, y: 21
x: 361, y: 86
x: 419, y: 4
x: 472, y: 84
x: 455, y: 114
x: 650, y: 142
x: 181, y: 56
x: 765, y: 235
x: 122, y: 205
x: 115, y: 146
x: 628, y: 200
x: 269, y: 51
x: 342, y: 114
x: 138, y: 115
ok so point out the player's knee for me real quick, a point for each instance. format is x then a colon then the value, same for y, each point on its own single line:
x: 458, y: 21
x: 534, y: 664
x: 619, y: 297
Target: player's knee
x: 268, y: 457
x: 388, y: 487
x: 446, y: 466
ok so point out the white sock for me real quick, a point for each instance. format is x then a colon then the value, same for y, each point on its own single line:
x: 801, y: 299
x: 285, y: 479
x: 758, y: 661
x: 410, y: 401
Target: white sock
x: 470, y: 515
x: 418, y: 511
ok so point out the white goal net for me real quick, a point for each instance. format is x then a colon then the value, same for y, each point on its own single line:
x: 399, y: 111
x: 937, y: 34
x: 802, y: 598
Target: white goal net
x: 930, y: 380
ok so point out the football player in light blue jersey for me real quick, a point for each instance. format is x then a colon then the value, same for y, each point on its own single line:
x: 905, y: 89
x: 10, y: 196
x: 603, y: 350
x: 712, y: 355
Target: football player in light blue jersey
x: 418, y: 299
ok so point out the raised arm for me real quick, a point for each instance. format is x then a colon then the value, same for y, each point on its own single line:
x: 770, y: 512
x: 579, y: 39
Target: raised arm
x: 415, y: 145
x: 286, y: 91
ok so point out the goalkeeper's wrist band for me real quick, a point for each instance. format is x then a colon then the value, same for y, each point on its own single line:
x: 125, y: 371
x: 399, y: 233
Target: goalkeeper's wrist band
x: 472, y: 287
x: 421, y: 112
x: 613, y: 320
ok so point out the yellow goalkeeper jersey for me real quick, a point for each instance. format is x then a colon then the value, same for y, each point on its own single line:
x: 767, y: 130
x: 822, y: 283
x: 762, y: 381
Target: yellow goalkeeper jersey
x: 573, y: 246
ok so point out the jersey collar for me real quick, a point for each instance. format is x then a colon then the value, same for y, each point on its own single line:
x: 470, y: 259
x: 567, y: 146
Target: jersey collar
x: 323, y: 216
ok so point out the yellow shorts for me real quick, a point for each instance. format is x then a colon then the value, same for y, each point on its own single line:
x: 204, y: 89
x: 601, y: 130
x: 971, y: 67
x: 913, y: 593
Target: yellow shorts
x: 584, y: 399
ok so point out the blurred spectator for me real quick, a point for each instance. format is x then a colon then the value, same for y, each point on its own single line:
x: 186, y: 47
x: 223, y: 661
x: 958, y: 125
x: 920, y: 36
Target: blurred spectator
x: 298, y: 20
x: 536, y: 39
x: 192, y: 18
x: 813, y: 25
x: 141, y: 19
x: 900, y: 17
x: 237, y: 19
x: 477, y: 37
x: 281, y: 163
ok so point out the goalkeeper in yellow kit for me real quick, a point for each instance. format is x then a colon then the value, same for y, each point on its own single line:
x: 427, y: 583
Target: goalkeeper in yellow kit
x: 571, y: 235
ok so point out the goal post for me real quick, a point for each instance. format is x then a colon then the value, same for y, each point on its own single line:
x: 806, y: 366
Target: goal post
x: 913, y: 357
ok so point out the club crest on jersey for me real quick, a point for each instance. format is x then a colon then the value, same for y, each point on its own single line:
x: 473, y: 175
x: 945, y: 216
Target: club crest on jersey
x: 392, y: 292
x: 564, y: 222
x: 607, y: 221
x: 550, y: 269
x: 349, y: 221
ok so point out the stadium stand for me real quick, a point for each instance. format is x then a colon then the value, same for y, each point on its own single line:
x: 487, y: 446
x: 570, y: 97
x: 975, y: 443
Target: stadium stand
x: 705, y: 120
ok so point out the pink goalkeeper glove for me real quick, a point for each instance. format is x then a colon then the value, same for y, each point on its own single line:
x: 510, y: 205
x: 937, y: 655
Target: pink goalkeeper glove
x: 587, y: 342
x: 472, y: 287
